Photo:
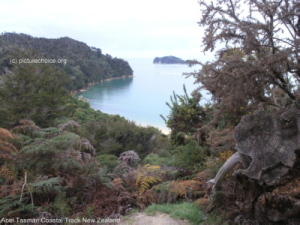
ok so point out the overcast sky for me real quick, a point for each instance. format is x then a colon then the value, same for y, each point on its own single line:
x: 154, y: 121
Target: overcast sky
x: 121, y: 28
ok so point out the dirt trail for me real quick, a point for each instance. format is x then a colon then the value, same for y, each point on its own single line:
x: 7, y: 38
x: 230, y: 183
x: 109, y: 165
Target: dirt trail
x: 157, y: 219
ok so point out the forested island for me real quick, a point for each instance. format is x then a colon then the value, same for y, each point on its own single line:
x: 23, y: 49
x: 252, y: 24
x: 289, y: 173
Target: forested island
x: 82, y: 64
x: 235, y: 160
x: 168, y: 60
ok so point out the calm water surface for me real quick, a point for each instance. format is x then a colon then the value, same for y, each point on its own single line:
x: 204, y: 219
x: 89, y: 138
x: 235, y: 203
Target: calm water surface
x: 143, y: 98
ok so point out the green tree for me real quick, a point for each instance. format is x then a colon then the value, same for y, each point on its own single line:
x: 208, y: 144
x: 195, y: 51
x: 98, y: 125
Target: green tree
x: 186, y: 115
x: 34, y: 91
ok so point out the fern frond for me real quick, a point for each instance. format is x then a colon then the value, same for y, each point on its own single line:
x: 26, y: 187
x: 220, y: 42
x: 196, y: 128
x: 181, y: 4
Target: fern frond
x: 147, y: 176
x: 22, y: 208
x: 46, y: 186
x: 146, y: 182
x: 9, y: 203
x: 67, y: 165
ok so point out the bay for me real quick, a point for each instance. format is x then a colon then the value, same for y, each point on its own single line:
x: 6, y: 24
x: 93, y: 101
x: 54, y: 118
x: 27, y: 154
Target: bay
x: 142, y: 98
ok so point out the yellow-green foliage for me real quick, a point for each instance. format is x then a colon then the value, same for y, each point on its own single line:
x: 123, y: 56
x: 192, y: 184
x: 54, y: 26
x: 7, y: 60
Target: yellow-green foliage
x: 185, y: 116
x: 146, y: 181
x: 225, y: 155
x: 147, y: 176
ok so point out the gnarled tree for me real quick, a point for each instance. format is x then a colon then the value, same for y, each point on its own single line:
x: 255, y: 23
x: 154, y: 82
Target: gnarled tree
x: 257, y: 64
x: 268, y: 150
x: 256, y: 45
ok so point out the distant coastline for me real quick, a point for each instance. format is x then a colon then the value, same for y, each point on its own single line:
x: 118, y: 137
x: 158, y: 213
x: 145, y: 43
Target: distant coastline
x: 82, y: 65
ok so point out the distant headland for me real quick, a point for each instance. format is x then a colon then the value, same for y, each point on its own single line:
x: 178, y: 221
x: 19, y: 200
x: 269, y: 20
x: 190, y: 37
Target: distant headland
x: 82, y: 65
x: 168, y: 60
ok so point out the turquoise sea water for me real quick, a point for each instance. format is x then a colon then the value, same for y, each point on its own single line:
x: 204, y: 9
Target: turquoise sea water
x: 142, y: 98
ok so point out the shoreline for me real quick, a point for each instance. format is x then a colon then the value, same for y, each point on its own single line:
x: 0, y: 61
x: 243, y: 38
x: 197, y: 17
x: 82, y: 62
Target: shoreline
x: 164, y: 130
x: 99, y: 82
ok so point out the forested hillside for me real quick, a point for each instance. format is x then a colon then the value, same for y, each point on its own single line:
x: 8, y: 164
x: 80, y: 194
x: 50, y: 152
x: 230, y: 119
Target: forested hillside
x: 83, y: 64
